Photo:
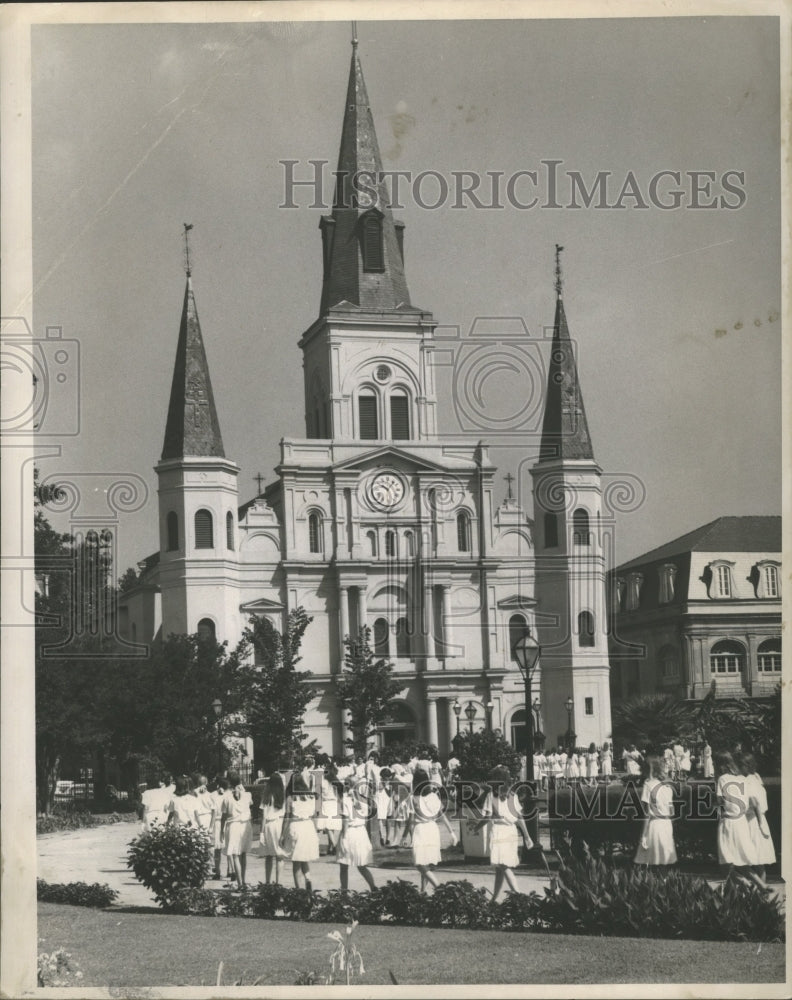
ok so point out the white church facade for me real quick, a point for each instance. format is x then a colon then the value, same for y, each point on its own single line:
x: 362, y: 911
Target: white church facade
x: 374, y: 519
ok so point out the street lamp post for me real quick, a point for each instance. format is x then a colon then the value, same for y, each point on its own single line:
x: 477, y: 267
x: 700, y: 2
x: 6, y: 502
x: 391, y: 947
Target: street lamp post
x: 489, y: 706
x: 526, y: 653
x: 217, y: 706
x: 457, y: 712
x: 470, y: 714
x: 570, y: 705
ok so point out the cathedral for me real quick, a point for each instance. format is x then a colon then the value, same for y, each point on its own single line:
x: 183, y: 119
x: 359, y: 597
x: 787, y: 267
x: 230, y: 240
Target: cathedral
x: 374, y: 519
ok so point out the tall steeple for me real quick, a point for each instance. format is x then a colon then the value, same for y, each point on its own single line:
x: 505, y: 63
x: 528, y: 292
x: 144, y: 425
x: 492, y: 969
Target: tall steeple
x: 363, y: 265
x: 565, y: 433
x: 192, y: 429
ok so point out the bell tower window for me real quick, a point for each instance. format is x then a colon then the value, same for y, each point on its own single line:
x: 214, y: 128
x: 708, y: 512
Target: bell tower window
x: 173, y: 531
x: 204, y: 530
x: 400, y: 416
x: 367, y: 414
x: 372, y: 244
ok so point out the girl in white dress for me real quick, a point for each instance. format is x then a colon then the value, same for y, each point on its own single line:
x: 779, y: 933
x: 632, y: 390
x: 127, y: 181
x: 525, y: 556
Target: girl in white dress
x: 504, y: 816
x: 382, y: 803
x: 354, y: 844
x: 401, y: 804
x: 632, y: 762
x: 706, y: 758
x: 685, y: 765
x: 299, y: 838
x: 606, y: 760
x: 329, y: 818
x: 657, y: 837
x: 237, y: 827
x: 592, y: 764
x: 540, y: 769
x: 757, y: 821
x: 572, y: 772
x: 427, y: 810
x: 183, y: 808
x: 736, y: 848
x: 218, y: 796
x: 206, y: 803
x: 272, y: 812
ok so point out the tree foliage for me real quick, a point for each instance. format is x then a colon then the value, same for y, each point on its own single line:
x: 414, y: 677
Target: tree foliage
x: 479, y: 752
x: 754, y: 725
x: 653, y: 721
x: 274, y: 692
x: 365, y: 688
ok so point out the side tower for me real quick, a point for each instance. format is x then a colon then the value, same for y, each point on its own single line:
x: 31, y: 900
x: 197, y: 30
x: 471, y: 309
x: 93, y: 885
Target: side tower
x: 197, y: 498
x: 570, y: 564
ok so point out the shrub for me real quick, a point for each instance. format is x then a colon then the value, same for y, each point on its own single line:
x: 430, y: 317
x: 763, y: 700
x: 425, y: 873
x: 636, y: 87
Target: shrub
x: 167, y: 859
x: 195, y: 902
x: 590, y: 896
x: 72, y: 819
x: 459, y: 904
x: 403, y: 903
x: 298, y: 904
x: 75, y: 893
x: 520, y: 912
x: 337, y: 907
x: 479, y: 752
x: 266, y: 901
x: 233, y: 904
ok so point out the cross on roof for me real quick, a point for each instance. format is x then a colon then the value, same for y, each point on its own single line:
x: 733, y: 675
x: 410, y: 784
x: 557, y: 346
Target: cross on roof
x: 509, y: 480
x: 259, y: 479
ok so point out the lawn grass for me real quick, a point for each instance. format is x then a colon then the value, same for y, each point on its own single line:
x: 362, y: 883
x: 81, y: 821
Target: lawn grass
x: 115, y: 948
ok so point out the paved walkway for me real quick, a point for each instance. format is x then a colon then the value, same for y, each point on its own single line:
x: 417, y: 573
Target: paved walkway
x: 98, y: 854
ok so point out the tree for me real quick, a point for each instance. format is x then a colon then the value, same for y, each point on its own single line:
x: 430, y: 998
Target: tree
x: 479, y: 752
x: 275, y: 693
x: 754, y: 725
x: 365, y: 688
x: 653, y: 720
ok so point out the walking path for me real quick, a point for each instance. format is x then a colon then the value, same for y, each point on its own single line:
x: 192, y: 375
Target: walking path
x: 98, y: 854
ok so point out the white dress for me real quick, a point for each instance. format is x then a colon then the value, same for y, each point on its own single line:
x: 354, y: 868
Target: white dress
x: 205, y: 809
x: 540, y: 766
x: 735, y: 843
x: 657, y: 796
x: 685, y: 764
x: 156, y: 802
x: 592, y: 764
x: 607, y: 763
x: 238, y: 825
x: 504, y: 835
x: 271, y: 829
x: 354, y: 845
x: 382, y: 801
x: 219, y: 798
x: 706, y: 756
x: 329, y: 817
x: 765, y: 850
x: 572, y: 766
x: 631, y: 758
x: 303, y: 842
x: 184, y: 809
x: 426, y: 832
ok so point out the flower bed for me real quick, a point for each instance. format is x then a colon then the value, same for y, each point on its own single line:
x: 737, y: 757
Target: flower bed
x: 75, y: 893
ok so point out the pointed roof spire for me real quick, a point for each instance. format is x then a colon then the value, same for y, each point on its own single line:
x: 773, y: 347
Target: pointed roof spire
x: 192, y: 428
x: 363, y: 251
x: 565, y: 433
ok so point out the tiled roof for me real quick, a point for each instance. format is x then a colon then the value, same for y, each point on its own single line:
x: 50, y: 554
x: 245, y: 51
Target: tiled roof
x: 751, y: 533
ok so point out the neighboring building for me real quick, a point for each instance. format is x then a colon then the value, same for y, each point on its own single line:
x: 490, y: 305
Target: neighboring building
x: 375, y: 519
x: 704, y: 609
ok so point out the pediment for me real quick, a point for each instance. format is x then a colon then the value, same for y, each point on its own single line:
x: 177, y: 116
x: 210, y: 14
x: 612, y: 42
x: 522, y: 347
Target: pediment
x: 516, y: 603
x: 397, y: 458
x: 260, y: 606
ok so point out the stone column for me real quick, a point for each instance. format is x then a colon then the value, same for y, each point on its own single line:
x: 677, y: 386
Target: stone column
x: 431, y: 720
x: 343, y: 620
x: 452, y: 721
x: 362, y: 608
x: 448, y: 631
x: 429, y: 637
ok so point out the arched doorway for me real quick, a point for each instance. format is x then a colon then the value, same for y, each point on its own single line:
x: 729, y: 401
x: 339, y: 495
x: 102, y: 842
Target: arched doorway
x: 401, y: 726
x: 518, y: 731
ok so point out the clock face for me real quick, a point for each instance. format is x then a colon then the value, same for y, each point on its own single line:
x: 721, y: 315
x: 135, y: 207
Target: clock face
x: 387, y: 490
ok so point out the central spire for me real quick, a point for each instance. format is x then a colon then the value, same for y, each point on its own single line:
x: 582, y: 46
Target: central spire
x: 363, y: 265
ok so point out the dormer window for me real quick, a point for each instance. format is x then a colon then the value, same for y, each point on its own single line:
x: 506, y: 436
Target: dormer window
x: 720, y: 582
x: 634, y: 584
x: 667, y: 574
x: 372, y: 243
x: 766, y: 579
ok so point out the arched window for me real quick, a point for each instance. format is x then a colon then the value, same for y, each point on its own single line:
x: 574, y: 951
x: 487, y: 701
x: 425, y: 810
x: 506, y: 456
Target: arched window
x: 400, y: 727
x: 769, y: 655
x: 463, y: 532
x: 206, y: 629
x: 550, y: 530
x: 373, y: 250
x: 666, y: 577
x: 580, y: 527
x: 585, y: 629
x: 518, y: 627
x: 400, y: 415
x: 372, y: 540
x: 409, y: 544
x: 367, y: 415
x: 519, y: 731
x: 204, y: 529
x: 314, y: 533
x: 230, y: 530
x: 172, y: 526
x: 390, y: 543
x: 381, y: 637
x: 727, y: 657
x: 402, y: 638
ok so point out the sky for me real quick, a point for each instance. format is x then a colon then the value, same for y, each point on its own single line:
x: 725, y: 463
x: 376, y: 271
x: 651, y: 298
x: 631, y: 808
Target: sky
x: 139, y: 128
